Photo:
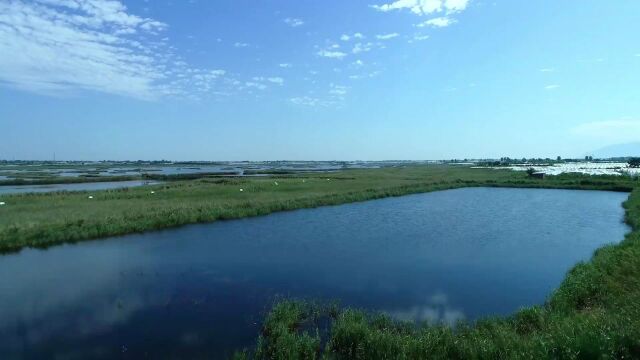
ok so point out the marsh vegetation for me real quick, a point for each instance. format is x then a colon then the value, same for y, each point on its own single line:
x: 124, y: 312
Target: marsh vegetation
x: 40, y: 220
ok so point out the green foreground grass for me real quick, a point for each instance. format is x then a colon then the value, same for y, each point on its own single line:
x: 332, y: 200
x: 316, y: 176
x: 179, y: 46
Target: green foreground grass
x: 45, y: 219
x: 594, y: 314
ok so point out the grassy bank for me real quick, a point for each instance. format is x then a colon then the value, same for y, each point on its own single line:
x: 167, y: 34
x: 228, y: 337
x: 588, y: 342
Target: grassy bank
x: 45, y: 219
x: 594, y: 314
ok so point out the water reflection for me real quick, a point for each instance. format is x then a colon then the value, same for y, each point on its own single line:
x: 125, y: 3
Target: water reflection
x: 202, y: 290
x: 435, y: 310
x: 89, y: 186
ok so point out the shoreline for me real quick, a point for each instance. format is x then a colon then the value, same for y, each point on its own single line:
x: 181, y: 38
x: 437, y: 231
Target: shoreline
x: 31, y: 219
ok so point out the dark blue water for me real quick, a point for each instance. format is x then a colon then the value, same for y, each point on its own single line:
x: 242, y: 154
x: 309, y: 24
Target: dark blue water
x: 202, y: 290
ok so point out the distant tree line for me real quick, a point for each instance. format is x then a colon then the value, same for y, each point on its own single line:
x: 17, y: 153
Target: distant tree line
x: 634, y: 162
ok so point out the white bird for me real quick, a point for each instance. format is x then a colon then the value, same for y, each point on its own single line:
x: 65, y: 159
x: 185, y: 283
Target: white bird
x: 153, y: 192
x: 241, y: 190
x: 90, y: 197
x: 2, y: 203
x: 276, y: 183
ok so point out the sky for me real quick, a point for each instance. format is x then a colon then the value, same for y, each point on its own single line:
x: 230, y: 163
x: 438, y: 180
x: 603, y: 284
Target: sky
x: 317, y: 80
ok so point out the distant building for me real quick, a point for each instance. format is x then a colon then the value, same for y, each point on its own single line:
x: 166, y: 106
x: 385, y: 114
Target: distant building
x: 538, y: 175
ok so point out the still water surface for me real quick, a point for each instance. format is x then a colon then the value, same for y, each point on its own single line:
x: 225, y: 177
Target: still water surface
x: 202, y: 290
x: 89, y: 186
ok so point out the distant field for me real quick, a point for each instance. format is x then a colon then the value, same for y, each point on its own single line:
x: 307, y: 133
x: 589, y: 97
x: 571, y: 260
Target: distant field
x: 50, y: 172
x: 40, y: 220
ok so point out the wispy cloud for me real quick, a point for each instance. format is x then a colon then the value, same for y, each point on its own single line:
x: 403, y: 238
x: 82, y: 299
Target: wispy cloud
x: 63, y: 46
x: 257, y: 85
x: 611, y: 130
x: 547, y: 70
x: 338, y: 90
x: 285, y: 65
x: 419, y: 37
x: 57, y: 45
x: 334, y: 97
x: 240, y: 45
x: 438, y: 22
x: 293, y: 22
x: 331, y: 54
x: 262, y: 80
x: 364, y: 76
x: 276, y: 80
x: 387, y: 36
x: 309, y: 101
x: 347, y: 37
x: 365, y: 47
x: 551, y: 87
x: 424, y: 7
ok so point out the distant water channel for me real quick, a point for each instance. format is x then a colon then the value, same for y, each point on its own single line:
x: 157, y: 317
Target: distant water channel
x: 202, y: 290
x: 88, y: 186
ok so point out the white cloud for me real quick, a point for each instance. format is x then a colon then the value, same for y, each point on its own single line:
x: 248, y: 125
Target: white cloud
x: 454, y: 6
x: 358, y: 63
x: 210, y: 75
x: 285, y: 65
x: 612, y: 130
x: 240, y: 45
x: 347, y: 37
x: 552, y: 87
x: 61, y: 46
x: 420, y: 37
x: 424, y: 7
x: 362, y: 47
x: 386, y: 36
x: 338, y: 90
x: 251, y: 84
x: 276, y: 80
x: 438, y: 22
x: 364, y: 76
x: 331, y: 54
x: 259, y: 81
x: 293, y: 22
x: 308, y: 101
x: 548, y: 70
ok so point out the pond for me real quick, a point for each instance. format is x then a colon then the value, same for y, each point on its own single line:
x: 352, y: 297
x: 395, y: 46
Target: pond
x: 202, y: 290
x: 89, y: 186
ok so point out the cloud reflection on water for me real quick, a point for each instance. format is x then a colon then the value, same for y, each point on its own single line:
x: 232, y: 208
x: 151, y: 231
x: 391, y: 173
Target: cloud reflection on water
x: 436, y: 310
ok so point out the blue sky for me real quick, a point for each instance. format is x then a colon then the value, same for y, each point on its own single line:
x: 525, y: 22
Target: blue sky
x: 316, y: 80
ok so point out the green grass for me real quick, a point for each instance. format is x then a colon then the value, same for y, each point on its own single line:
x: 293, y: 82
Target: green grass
x: 594, y: 314
x: 45, y: 219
